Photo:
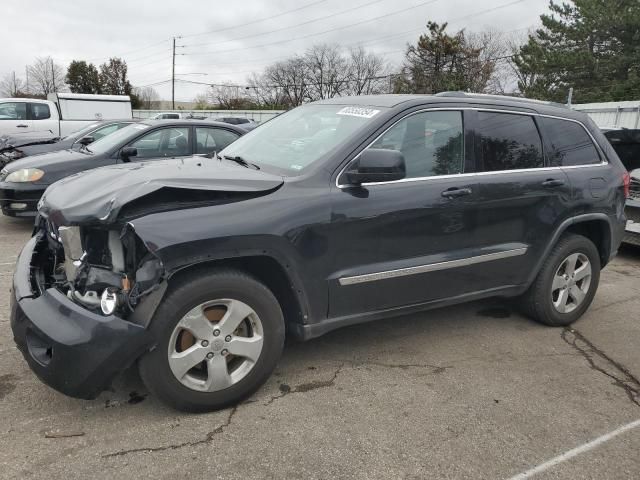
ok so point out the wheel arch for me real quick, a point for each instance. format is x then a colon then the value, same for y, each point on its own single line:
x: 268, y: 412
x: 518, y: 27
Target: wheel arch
x: 266, y: 269
x: 594, y: 226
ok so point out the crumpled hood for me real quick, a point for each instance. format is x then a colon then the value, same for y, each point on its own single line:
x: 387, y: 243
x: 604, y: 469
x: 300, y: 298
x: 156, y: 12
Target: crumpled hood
x: 97, y: 196
x: 11, y: 142
x: 635, y: 174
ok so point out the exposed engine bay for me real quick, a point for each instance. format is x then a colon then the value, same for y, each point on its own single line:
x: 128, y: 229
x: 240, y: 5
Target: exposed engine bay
x: 106, y: 269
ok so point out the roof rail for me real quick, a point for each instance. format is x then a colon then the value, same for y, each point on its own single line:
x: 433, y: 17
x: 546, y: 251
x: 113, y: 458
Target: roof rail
x: 498, y: 97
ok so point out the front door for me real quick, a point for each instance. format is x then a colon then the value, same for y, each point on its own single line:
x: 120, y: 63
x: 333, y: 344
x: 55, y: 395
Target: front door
x: 13, y: 118
x: 406, y: 242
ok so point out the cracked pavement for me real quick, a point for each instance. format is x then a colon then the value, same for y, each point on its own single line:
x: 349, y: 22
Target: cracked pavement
x: 472, y: 391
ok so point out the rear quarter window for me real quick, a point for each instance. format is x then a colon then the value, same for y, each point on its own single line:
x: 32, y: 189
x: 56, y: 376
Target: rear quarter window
x: 569, y: 143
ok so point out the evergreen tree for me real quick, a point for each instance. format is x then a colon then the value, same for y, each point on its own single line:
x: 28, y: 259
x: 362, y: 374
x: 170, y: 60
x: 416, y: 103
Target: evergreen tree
x: 590, y: 45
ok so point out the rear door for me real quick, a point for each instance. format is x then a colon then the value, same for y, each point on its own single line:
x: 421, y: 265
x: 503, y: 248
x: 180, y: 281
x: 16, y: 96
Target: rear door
x: 522, y: 199
x: 43, y: 120
x: 13, y: 118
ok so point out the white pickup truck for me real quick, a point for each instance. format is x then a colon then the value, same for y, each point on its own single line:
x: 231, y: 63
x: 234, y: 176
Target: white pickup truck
x: 59, y: 115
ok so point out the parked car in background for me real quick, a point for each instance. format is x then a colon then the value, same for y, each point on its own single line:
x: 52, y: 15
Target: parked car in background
x: 626, y: 143
x: 23, y: 181
x: 16, y: 147
x: 59, y: 115
x: 246, y: 123
x: 167, y: 116
x: 335, y: 213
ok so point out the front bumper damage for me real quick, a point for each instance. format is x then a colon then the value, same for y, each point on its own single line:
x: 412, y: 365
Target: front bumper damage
x: 70, y: 344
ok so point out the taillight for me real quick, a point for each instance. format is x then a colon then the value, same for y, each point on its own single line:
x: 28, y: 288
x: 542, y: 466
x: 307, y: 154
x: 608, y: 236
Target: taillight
x: 626, y: 183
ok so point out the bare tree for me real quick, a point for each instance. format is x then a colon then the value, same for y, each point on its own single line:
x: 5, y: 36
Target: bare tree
x: 12, y: 86
x: 368, y: 72
x: 228, y: 96
x: 45, y: 76
x: 290, y: 80
x: 327, y: 70
x: 262, y: 92
x: 490, y: 72
x: 147, y: 96
x: 201, y: 102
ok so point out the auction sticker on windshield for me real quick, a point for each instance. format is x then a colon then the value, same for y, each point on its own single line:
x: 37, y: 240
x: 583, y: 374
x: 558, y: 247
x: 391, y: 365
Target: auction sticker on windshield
x: 358, y: 112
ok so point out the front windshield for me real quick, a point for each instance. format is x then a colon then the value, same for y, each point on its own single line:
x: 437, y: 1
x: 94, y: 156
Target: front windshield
x: 81, y: 133
x: 294, y: 140
x: 117, y: 138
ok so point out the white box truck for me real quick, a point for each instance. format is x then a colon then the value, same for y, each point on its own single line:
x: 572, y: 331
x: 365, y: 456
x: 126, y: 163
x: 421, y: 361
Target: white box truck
x: 59, y: 115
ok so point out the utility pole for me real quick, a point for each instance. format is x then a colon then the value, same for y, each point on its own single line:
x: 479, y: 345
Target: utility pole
x: 53, y: 78
x: 173, y: 76
x: 15, y: 87
x: 26, y: 71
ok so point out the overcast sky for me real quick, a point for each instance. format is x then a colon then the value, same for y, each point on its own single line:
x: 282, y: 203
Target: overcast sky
x: 228, y: 40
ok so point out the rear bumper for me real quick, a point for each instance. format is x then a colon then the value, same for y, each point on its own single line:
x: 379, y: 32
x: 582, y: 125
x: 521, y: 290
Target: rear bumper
x: 69, y: 348
x: 20, y: 199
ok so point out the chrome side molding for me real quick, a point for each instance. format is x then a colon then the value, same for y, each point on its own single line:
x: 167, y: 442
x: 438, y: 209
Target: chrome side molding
x: 430, y: 267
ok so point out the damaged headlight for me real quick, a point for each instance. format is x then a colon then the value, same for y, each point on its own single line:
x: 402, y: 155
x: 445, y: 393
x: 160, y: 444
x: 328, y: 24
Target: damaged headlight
x: 25, y: 175
x: 107, y: 270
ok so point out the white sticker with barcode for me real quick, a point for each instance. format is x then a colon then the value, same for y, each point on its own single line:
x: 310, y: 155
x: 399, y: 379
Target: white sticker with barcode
x: 359, y: 112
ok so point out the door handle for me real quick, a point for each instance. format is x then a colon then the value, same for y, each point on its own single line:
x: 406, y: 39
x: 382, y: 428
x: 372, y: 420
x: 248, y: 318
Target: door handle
x: 552, y: 182
x: 22, y: 126
x: 455, y: 192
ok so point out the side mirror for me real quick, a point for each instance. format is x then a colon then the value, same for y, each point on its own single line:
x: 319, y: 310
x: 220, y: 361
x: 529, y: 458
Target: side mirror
x: 86, y: 140
x: 127, y: 152
x: 377, y: 165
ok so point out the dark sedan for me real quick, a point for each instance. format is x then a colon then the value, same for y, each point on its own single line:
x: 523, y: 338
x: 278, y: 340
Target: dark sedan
x: 23, y: 181
x: 17, y: 147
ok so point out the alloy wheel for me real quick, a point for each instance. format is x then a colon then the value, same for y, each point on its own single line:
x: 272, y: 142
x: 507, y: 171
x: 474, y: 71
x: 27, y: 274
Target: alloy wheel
x: 571, y: 283
x: 215, y: 345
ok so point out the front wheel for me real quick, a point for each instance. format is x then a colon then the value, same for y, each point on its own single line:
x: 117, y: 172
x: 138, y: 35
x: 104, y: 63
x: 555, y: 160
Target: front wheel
x: 566, y: 283
x: 219, y: 337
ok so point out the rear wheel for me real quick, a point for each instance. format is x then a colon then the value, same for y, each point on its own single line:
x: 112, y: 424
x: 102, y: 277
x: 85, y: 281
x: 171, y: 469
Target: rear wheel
x: 566, y: 283
x: 219, y: 338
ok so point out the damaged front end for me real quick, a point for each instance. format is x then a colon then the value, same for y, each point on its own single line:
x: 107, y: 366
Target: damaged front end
x: 106, y: 269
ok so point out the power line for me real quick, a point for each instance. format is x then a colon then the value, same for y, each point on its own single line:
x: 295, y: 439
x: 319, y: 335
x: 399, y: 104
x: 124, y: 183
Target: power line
x: 297, y: 25
x: 387, y: 15
x: 253, y: 22
x: 95, y: 59
x: 475, y: 14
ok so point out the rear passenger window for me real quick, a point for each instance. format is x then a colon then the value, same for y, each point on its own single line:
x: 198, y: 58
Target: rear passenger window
x: 211, y: 140
x: 39, y: 111
x: 432, y: 143
x: 509, y: 141
x: 569, y: 142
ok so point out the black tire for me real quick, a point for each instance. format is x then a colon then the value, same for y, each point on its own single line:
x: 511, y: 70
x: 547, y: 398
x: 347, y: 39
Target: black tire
x: 187, y: 293
x: 537, y: 302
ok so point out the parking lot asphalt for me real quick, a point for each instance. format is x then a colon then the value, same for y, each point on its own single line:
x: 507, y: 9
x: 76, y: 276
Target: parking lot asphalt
x: 473, y: 391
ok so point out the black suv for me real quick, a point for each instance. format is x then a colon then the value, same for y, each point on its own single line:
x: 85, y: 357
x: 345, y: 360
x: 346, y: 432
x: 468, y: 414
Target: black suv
x: 335, y: 213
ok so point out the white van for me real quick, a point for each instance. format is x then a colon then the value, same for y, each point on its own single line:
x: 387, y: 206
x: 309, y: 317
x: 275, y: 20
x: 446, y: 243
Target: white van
x: 59, y: 115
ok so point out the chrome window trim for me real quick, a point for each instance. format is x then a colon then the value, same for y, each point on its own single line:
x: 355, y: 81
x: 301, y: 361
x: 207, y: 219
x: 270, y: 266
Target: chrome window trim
x: 430, y: 267
x: 604, y: 162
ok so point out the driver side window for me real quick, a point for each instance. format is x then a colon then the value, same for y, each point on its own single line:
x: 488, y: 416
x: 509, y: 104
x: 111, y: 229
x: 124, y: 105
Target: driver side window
x: 432, y: 143
x: 164, y: 142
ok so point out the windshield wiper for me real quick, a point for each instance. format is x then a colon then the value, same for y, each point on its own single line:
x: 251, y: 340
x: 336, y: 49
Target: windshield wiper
x: 241, y: 161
